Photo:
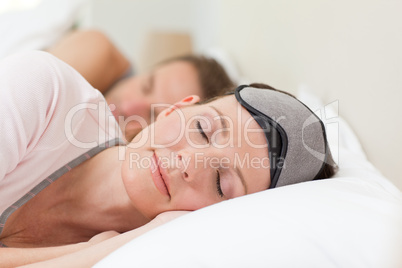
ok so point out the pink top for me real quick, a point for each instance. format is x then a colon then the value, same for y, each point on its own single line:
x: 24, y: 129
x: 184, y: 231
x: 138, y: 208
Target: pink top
x: 49, y: 115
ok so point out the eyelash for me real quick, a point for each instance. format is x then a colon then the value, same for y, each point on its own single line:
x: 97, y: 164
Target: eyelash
x: 218, y: 184
x: 202, y: 131
x: 218, y: 177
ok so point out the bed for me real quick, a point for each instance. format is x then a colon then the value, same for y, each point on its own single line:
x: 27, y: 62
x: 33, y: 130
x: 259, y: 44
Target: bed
x: 352, y: 220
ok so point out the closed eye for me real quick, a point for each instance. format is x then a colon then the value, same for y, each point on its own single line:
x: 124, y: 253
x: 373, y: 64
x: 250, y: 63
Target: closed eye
x: 218, y: 177
x: 198, y: 124
x: 147, y: 87
x: 218, y: 184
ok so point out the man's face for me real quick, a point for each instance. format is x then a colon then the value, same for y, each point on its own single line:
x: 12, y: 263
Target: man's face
x: 137, y: 100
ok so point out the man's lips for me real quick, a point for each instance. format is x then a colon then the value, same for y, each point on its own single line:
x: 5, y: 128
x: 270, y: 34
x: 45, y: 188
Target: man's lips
x: 159, y: 176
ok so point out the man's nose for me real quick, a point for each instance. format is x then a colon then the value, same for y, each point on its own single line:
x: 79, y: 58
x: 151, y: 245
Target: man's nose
x: 140, y: 108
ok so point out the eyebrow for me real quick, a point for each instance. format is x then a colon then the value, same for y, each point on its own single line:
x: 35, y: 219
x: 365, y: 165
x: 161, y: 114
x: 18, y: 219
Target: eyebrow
x: 224, y: 125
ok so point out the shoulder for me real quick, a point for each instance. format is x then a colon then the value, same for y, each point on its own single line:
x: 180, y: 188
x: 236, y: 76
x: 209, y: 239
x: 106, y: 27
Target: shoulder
x: 29, y: 64
x: 41, y: 76
x: 38, y: 92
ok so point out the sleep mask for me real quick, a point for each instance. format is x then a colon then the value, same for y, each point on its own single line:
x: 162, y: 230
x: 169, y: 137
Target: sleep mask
x: 297, y: 143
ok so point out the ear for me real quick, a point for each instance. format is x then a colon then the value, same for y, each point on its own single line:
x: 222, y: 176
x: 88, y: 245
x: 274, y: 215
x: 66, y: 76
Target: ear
x: 187, y: 101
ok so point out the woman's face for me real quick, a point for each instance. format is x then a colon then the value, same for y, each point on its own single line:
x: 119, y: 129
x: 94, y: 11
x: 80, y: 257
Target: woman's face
x: 196, y: 156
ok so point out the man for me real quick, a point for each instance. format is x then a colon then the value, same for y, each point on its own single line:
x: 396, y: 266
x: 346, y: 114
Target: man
x: 136, y: 100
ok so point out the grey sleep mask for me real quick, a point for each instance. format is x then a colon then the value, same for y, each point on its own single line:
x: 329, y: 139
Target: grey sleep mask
x: 297, y: 143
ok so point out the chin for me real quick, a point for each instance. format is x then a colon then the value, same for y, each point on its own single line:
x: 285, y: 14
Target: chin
x: 141, y: 191
x: 148, y: 204
x: 132, y: 133
x: 139, y: 137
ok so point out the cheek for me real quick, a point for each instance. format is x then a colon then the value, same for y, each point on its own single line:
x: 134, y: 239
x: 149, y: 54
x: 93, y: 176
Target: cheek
x: 140, y: 189
x: 123, y: 87
x: 135, y: 178
x: 170, y: 130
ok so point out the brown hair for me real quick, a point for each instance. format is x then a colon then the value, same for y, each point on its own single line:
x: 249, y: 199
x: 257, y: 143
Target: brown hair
x: 213, y: 79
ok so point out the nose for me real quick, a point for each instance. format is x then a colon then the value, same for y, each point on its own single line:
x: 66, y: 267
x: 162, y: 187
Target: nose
x: 195, y: 167
x: 132, y: 106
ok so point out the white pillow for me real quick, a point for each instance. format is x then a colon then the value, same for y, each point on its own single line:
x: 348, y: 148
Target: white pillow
x: 37, y: 27
x: 353, y: 220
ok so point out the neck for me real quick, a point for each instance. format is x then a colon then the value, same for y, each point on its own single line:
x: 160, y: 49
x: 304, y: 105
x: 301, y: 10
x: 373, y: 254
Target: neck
x: 96, y: 196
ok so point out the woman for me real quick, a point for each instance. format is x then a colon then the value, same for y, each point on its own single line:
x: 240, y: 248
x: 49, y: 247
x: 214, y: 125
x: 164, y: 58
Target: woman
x: 191, y: 157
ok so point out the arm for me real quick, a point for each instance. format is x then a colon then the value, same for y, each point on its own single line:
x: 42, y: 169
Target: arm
x: 93, y: 254
x: 12, y: 257
x: 94, y: 56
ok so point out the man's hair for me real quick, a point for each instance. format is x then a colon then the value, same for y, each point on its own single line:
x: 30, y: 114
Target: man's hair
x: 213, y: 79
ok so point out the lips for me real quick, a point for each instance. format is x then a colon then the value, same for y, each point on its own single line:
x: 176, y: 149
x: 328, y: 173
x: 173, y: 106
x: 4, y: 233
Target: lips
x: 158, y: 176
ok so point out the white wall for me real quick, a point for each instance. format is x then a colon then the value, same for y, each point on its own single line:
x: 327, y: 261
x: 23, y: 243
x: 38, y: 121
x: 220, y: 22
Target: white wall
x: 345, y: 50
x: 128, y: 22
